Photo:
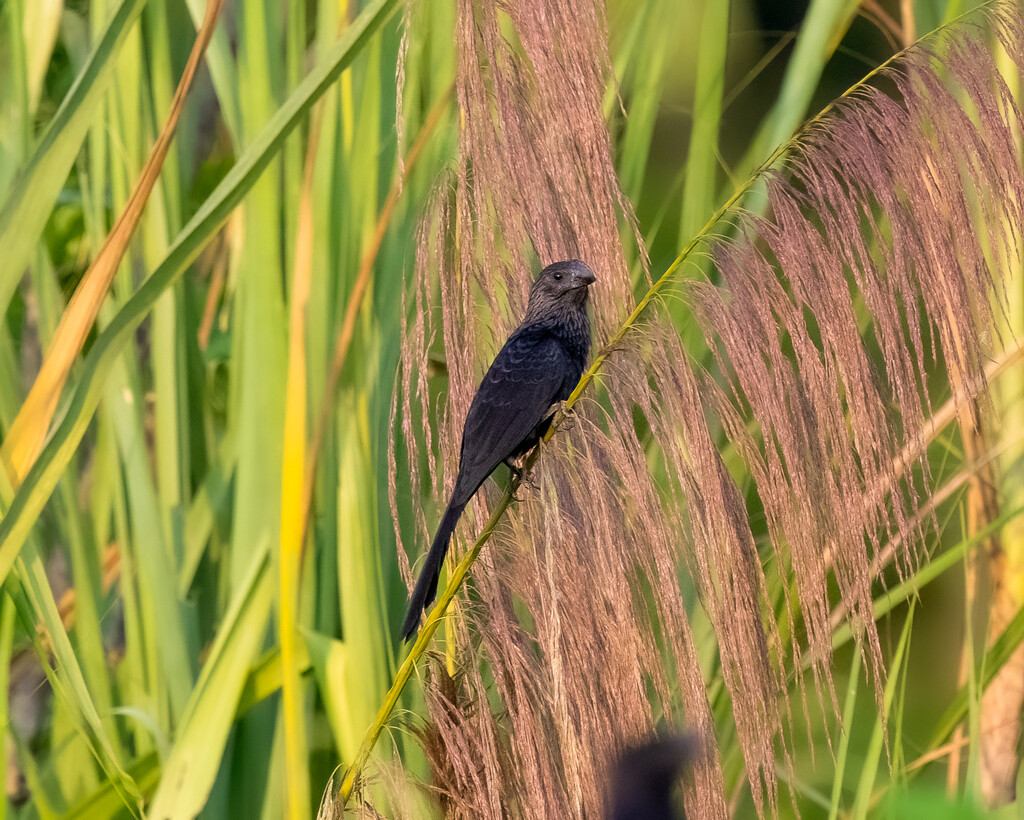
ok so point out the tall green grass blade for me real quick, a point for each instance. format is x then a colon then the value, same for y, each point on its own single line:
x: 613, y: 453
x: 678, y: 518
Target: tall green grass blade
x: 849, y: 708
x: 169, y: 330
x: 644, y: 56
x: 31, y: 30
x: 256, y: 401
x: 192, y: 766
x: 869, y: 772
x: 132, y: 673
x: 223, y: 71
x: 364, y: 626
x: 331, y: 663
x: 700, y: 189
x: 88, y: 629
x: 258, y: 343
x: 1003, y: 700
x: 212, y: 494
x: 14, y: 123
x: 167, y: 631
x: 7, y: 621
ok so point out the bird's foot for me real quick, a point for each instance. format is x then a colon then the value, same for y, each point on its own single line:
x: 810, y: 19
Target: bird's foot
x: 518, y: 478
x: 566, y: 415
x: 529, y: 483
x: 515, y: 478
x: 515, y: 472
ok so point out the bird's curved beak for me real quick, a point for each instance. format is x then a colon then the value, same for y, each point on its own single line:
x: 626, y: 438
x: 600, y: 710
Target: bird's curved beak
x: 583, y: 277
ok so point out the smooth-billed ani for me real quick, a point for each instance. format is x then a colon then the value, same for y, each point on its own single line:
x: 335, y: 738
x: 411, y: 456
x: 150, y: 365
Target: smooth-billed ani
x: 645, y: 777
x: 538, y: 367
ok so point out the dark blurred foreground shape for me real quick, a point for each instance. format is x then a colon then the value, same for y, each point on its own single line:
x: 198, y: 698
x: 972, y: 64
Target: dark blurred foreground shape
x: 644, y: 778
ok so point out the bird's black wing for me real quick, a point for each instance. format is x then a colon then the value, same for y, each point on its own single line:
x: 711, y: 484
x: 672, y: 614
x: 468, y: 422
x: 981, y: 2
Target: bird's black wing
x: 530, y: 373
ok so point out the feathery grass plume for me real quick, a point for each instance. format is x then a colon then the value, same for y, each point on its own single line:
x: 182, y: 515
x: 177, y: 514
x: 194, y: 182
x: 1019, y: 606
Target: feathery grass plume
x: 913, y: 173
x: 576, y: 640
x: 577, y: 675
x: 541, y: 173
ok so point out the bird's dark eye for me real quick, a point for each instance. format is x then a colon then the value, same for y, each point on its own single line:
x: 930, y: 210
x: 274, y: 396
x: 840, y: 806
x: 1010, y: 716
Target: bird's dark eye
x: 558, y: 277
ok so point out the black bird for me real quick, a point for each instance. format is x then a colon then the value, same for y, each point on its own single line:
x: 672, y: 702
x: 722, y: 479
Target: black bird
x: 644, y: 777
x: 539, y: 366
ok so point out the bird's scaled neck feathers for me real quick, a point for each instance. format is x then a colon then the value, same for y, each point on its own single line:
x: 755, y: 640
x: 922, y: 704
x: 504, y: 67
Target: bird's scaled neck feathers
x: 569, y: 324
x: 546, y: 308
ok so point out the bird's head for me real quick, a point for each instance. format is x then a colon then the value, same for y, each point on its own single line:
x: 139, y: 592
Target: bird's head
x: 560, y: 285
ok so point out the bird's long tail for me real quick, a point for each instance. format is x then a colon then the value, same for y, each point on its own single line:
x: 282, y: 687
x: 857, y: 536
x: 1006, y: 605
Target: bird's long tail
x: 426, y: 586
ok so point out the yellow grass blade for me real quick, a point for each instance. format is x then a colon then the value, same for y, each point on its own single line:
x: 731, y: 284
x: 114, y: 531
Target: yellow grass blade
x: 292, y: 518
